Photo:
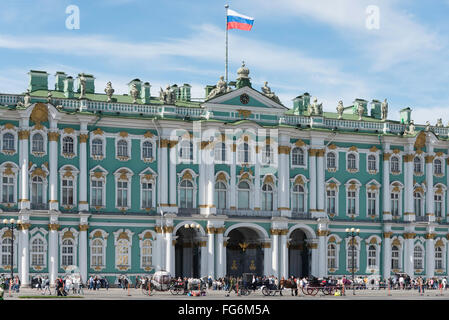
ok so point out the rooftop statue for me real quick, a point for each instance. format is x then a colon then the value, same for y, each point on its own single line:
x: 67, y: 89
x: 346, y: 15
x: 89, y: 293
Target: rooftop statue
x: 384, y: 109
x: 340, y: 109
x: 439, y: 123
x: 49, y: 96
x: 427, y: 126
x: 411, y: 128
x: 134, y: 92
x: 220, y: 88
x: 167, y: 96
x: 360, y: 110
x: 270, y: 94
x: 315, y: 108
x: 26, y: 100
x: 109, y: 90
x: 82, y: 86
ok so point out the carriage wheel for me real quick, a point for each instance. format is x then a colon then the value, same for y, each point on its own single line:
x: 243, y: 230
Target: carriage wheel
x: 265, y: 291
x: 328, y: 291
x: 304, y: 291
x: 312, y: 291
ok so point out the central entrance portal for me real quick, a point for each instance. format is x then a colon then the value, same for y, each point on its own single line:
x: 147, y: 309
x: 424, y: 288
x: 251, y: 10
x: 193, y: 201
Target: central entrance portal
x: 298, y: 255
x: 244, y: 252
x: 187, y: 253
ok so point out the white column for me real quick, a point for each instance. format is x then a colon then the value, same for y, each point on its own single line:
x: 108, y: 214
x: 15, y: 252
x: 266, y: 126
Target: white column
x: 24, y: 201
x: 386, y: 215
x: 202, y: 185
x: 53, y: 251
x: 172, y: 185
x: 221, y: 261
x: 210, y: 252
x: 53, y: 138
x: 430, y: 255
x: 24, y: 254
x: 204, y: 257
x: 169, y: 252
x: 408, y: 253
x: 158, y: 259
x: 430, y: 212
x: 284, y: 254
x: 320, y: 182
x: 267, y: 259
x: 82, y: 238
x: 386, y: 251
x: 322, y: 254
x: 164, y: 174
x: 409, y: 213
x: 83, y: 204
x: 313, y: 245
x: 232, y: 183
x: 313, y: 182
x: 275, y: 253
x: 284, y: 179
x: 211, y: 180
x: 257, y: 204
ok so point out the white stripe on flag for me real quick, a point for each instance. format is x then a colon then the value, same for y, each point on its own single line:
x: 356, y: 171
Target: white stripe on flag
x: 233, y: 13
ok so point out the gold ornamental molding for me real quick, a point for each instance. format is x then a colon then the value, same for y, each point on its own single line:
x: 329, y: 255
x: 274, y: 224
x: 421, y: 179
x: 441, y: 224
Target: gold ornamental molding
x: 373, y: 241
x: 234, y: 147
x: 388, y: 235
x: 69, y: 130
x: 409, y: 213
x: 299, y: 180
x: 164, y: 143
x: 39, y: 113
x: 204, y: 244
x: 439, y: 243
x: 420, y: 141
x: 312, y: 245
x: 353, y: 148
x: 284, y: 150
x: 68, y: 235
x: 322, y: 233
x: 283, y: 232
x: 265, y: 245
x: 98, y: 131
x: 386, y: 156
x: 220, y: 230
x: 53, y: 136
x: 244, y: 113
x: 123, y: 134
x: 54, y: 226
x: 283, y: 208
x: 300, y: 143
x: 408, y: 157
x: 320, y: 152
x: 9, y: 126
x: 268, y: 179
x: 233, y: 208
x: 221, y: 177
x: 419, y: 151
x: 83, y: 138
x: 429, y: 159
x: 206, y: 144
x: 158, y: 229
x: 8, y: 170
x: 210, y: 230
x: 38, y: 172
x: 83, y: 227
x: 373, y: 149
x: 275, y: 232
x: 24, y: 226
x: 24, y: 134
x: 168, y: 229
x: 187, y: 176
x: 312, y: 152
x: 409, y: 235
x: 332, y: 147
x: 256, y: 209
x: 148, y: 134
x: 172, y: 143
x: 396, y: 151
x: 430, y: 236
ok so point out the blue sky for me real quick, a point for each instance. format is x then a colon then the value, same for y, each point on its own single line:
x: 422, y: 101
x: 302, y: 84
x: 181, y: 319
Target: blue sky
x: 320, y: 46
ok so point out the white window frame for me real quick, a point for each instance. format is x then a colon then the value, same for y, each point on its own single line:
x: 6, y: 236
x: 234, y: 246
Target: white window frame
x: 335, y: 152
x: 328, y: 188
x: 153, y: 181
x: 44, y: 135
x: 218, y: 150
x: 305, y: 158
x: 4, y: 173
x: 376, y: 160
x: 38, y: 233
x: 226, y: 192
x: 264, y: 194
x: 15, y: 246
x: 103, y: 139
x: 443, y: 257
x: 117, y: 248
x: 74, y: 177
x: 103, y: 238
x: 400, y: 247
x: 239, y: 151
x: 377, y: 247
x: 422, y: 259
x: 393, y: 185
x: 153, y: 150
x: 195, y: 186
x: 251, y: 200
x: 103, y: 178
x: 421, y: 159
x: 128, y: 148
x: 75, y: 245
x: 443, y: 165
x: 337, y: 244
x: 349, y: 253
x: 117, y: 174
x: 357, y: 163
x: 397, y: 156
x: 423, y: 214
x: 267, y: 158
x: 14, y: 133
x: 357, y: 197
x: 376, y: 198
x: 142, y: 239
x: 75, y: 145
x: 188, y: 153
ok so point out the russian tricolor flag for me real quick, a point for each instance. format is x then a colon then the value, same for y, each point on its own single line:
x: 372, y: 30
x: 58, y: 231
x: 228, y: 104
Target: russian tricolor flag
x: 239, y: 21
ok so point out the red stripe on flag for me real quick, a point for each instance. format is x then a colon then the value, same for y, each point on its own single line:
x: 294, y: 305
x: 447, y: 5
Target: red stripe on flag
x: 240, y: 26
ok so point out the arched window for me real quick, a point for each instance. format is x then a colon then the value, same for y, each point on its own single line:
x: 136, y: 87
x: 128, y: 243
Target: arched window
x: 394, y: 163
x: 243, y: 153
x: 146, y: 253
x: 147, y: 150
x: 267, y: 197
x: 372, y: 257
x: 352, y: 251
x: 147, y: 195
x: 97, y: 259
x: 352, y: 162
x: 67, y: 145
x: 297, y: 156
x: 220, y: 151
x: 267, y: 155
x: 37, y: 253
x: 122, y: 148
x: 186, y: 150
x: 298, y: 199
x: 186, y: 194
x: 8, y: 142
x: 37, y: 191
x: 67, y: 192
x: 331, y: 256
x: 418, y: 258
x: 6, y: 251
x: 438, y: 258
x: 67, y: 252
x: 372, y: 166
x: 38, y: 143
x: 122, y: 253
x: 97, y: 147
x: 417, y: 165
x: 243, y: 195
x: 331, y: 160
x: 395, y: 258
x: 8, y: 189
x: 437, y: 168
x: 418, y: 204
x: 220, y: 195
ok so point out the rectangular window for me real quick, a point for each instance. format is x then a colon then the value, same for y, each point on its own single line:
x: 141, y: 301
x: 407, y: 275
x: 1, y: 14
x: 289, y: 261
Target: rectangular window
x: 147, y: 195
x: 67, y: 192
x: 395, y: 204
x: 371, y: 203
x: 8, y: 190
x: 97, y: 193
x: 438, y: 205
x: 351, y: 202
x: 122, y: 194
x: 331, y: 197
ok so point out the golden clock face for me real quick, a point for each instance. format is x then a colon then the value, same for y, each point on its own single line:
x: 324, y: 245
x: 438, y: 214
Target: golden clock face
x: 244, y: 98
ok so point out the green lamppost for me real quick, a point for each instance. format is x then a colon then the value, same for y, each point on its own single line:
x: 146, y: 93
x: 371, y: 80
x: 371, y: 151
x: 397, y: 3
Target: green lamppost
x: 353, y: 233
x: 11, y: 225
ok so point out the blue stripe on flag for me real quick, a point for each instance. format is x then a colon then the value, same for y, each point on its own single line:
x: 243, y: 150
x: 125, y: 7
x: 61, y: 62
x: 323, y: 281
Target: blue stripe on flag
x: 240, y: 20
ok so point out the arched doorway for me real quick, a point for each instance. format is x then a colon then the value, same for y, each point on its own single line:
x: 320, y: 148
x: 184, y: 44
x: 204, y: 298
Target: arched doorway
x: 244, y: 252
x: 298, y: 255
x: 187, y: 252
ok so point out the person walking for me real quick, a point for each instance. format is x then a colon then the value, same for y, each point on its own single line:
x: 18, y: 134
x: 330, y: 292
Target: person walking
x: 46, y: 286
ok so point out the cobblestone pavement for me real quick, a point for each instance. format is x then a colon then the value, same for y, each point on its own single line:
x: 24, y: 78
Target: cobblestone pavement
x: 136, y: 294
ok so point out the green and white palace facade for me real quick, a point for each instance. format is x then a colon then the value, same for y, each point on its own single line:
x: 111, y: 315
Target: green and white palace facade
x: 229, y: 184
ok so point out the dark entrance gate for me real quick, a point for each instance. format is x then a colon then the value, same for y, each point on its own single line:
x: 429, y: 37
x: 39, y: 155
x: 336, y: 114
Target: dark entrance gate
x: 187, y: 253
x: 298, y: 255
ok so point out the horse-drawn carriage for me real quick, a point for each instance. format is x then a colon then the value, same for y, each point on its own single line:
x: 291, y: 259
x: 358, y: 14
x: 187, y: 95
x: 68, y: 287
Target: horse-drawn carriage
x: 327, y: 287
x: 159, y: 281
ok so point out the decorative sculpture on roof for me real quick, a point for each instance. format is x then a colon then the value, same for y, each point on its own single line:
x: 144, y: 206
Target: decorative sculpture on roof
x: 168, y: 96
x: 49, y: 96
x: 315, y: 108
x: 109, y: 90
x: 27, y: 99
x: 270, y: 94
x: 340, y: 109
x: 384, y: 110
x: 427, y: 126
x: 82, y: 86
x: 439, y: 123
x: 134, y: 92
x: 220, y: 88
x: 411, y: 128
x: 360, y: 110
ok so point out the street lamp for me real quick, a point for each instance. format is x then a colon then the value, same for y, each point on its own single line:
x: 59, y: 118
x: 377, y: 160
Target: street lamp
x: 11, y: 225
x: 353, y: 233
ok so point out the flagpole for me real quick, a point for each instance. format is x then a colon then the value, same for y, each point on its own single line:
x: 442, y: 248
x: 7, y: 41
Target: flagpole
x: 226, y: 61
